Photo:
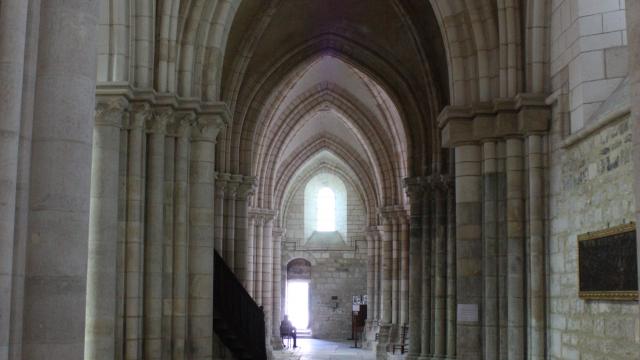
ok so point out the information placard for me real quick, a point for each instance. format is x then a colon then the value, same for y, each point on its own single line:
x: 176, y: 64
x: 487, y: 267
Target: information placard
x: 467, y: 312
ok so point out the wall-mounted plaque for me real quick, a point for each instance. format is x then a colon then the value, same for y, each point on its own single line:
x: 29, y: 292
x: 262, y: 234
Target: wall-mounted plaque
x: 467, y: 313
x: 608, y: 264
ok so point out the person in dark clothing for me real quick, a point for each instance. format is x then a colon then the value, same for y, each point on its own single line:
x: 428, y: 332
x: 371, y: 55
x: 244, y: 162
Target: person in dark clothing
x: 287, y: 329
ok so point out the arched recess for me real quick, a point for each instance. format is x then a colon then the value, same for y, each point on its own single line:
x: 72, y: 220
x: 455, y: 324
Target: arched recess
x: 348, y: 167
x: 380, y: 157
x: 303, y: 178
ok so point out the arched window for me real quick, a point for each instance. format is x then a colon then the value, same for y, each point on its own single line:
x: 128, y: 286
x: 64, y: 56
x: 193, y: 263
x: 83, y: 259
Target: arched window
x: 325, y: 207
x: 326, y: 219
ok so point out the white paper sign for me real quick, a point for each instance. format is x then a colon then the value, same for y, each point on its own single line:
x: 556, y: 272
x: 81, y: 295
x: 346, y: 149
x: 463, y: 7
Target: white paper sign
x: 467, y: 312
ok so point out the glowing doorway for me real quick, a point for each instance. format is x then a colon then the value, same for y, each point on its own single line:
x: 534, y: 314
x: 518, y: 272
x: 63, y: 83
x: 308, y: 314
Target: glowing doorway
x: 297, y: 305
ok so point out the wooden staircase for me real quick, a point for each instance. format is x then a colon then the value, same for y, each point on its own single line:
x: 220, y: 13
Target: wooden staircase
x: 237, y: 319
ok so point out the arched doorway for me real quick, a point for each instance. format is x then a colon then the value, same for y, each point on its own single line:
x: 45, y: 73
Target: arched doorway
x: 297, y: 293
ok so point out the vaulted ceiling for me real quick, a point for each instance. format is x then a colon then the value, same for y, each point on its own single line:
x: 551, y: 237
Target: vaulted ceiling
x: 341, y: 84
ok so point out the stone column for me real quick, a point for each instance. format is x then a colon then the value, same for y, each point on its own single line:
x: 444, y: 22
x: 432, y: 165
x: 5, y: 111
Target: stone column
x: 536, y: 283
x: 395, y: 277
x: 220, y: 231
x: 440, y: 286
x: 134, y: 233
x: 425, y: 294
x: 56, y: 262
x: 241, y: 253
x: 259, y: 226
x: 13, y: 37
x: 122, y: 240
x: 181, y: 239
x: 267, y: 275
x: 277, y: 284
x: 451, y: 269
x: 490, y: 251
x: 230, y: 220
x: 501, y: 222
x: 251, y: 244
x: 168, y: 239
x: 21, y: 217
x: 103, y: 230
x: 414, y: 190
x: 370, y: 268
x: 201, y: 238
x: 387, y: 269
x: 376, y: 275
x: 468, y: 247
x: 386, y: 285
x: 515, y: 250
x: 404, y: 270
x: 154, y: 235
x: 632, y: 10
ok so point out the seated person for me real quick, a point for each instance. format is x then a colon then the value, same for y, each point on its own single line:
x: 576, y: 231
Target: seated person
x: 287, y: 329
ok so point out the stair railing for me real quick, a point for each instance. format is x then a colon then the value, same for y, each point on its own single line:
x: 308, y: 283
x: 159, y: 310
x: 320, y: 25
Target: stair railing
x: 238, y: 309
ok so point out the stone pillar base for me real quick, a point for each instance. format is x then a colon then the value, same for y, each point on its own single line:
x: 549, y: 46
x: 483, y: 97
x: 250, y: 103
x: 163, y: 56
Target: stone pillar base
x: 276, y: 343
x: 383, y: 342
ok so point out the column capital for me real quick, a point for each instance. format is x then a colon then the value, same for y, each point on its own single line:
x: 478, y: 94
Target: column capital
x: 246, y: 188
x: 111, y: 111
x: 392, y: 214
x: 183, y: 123
x: 440, y: 182
x: 207, y: 126
x: 264, y: 214
x: 413, y: 187
x: 231, y: 188
x: 278, y: 232
x: 141, y: 114
x: 519, y: 115
x: 160, y: 119
x: 221, y: 184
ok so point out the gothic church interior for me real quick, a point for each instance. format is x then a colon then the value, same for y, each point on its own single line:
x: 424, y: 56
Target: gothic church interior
x: 177, y: 175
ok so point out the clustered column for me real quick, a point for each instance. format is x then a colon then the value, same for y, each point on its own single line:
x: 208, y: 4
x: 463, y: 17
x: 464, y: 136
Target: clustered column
x: 266, y: 238
x: 389, y: 253
x: 415, y: 190
x: 432, y: 267
x: 499, y: 151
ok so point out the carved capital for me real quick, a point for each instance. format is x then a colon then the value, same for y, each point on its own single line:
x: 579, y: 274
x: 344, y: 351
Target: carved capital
x: 278, y: 233
x: 207, y: 127
x: 141, y: 115
x: 247, y: 188
x: 439, y: 182
x: 111, y: 111
x: 413, y: 187
x: 159, y: 121
x: 183, y: 123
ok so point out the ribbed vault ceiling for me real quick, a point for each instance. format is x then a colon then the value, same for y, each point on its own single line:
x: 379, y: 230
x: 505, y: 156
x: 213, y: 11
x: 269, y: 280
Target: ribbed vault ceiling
x: 335, y: 84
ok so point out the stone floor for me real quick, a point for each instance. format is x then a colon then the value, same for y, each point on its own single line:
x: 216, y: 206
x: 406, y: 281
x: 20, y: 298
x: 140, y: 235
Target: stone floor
x: 314, y: 349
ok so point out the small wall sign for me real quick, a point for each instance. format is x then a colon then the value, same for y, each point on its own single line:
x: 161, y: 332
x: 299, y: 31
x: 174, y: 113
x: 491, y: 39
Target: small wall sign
x: 467, y: 313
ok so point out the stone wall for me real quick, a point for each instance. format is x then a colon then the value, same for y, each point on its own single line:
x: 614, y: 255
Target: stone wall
x: 335, y: 270
x: 588, y: 49
x: 591, y: 189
